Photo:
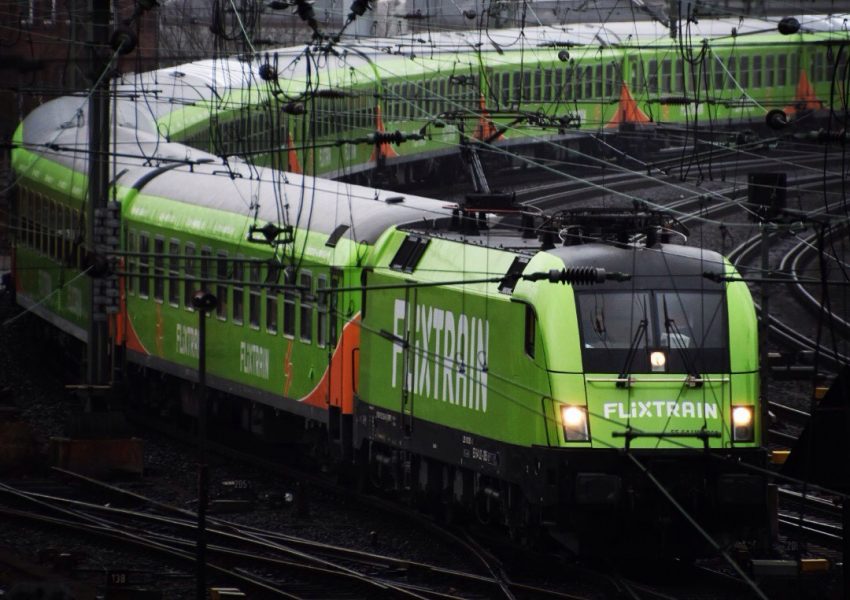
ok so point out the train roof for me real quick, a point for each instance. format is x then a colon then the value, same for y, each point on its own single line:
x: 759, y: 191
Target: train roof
x: 58, y: 132
x: 227, y: 83
x: 647, y: 266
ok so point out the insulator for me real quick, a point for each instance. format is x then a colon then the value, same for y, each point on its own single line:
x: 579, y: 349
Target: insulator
x: 293, y: 108
x: 387, y: 137
x: 359, y: 7
x: 304, y: 9
x: 788, y: 26
x: 577, y: 275
x: 267, y: 72
x: 331, y: 93
x: 776, y: 119
x: 123, y: 40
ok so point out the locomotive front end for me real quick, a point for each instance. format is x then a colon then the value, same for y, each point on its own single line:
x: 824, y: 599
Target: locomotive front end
x: 655, y: 388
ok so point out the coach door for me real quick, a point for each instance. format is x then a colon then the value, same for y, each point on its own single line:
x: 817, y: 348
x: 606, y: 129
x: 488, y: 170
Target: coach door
x: 343, y: 347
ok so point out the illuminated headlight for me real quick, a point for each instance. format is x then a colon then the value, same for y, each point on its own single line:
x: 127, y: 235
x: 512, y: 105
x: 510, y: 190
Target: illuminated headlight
x: 658, y: 360
x: 742, y: 423
x: 574, y: 419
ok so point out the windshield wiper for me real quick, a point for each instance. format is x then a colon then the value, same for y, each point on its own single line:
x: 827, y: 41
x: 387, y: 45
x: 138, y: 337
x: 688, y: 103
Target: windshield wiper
x: 670, y: 324
x: 639, y: 333
x: 599, y: 322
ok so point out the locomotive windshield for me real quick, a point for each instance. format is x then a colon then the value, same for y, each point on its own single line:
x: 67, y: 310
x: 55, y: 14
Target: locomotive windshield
x: 619, y: 330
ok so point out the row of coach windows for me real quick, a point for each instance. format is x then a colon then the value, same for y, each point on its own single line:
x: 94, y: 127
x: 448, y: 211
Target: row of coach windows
x: 741, y: 71
x: 578, y: 80
x: 170, y: 271
x: 52, y: 228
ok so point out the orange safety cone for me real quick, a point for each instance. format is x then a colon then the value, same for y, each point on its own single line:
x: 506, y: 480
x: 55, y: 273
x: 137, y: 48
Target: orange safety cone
x: 384, y: 149
x: 804, y: 97
x: 485, y: 130
x: 628, y: 110
x: 292, y: 156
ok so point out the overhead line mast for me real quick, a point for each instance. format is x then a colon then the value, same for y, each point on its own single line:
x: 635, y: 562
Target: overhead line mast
x: 97, y: 349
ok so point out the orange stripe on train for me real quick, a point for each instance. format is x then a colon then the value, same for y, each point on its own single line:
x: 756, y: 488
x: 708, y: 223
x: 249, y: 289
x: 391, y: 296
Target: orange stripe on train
x: 339, y: 381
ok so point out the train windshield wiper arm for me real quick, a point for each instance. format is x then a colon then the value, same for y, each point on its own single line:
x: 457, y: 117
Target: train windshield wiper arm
x: 679, y: 337
x: 639, y: 333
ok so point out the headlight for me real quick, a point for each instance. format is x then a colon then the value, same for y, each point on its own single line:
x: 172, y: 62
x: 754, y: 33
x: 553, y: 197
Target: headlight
x: 742, y: 424
x: 658, y: 360
x: 574, y: 419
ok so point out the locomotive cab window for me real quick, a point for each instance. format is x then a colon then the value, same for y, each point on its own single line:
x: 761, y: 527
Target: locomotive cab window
x: 620, y: 329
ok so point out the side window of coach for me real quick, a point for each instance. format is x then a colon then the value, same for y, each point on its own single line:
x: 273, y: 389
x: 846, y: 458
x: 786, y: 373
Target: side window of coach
x: 271, y: 303
x: 158, y: 268
x: 238, y: 289
x: 189, y: 278
x: 131, y: 262
x: 322, y: 312
x: 306, y: 283
x: 254, y: 295
x: 289, y: 313
x: 221, y: 284
x: 174, y: 272
x: 144, y: 265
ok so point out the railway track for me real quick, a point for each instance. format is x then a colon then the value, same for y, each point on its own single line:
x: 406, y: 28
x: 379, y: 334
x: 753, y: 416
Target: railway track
x: 811, y: 516
x: 743, y: 254
x: 484, y: 574
x: 554, y: 194
x: 794, y: 263
x: 699, y: 206
x: 313, y: 569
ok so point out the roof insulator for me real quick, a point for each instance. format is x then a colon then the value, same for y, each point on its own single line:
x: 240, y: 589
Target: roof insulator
x: 267, y: 72
x: 788, y: 26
